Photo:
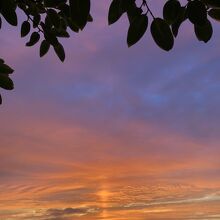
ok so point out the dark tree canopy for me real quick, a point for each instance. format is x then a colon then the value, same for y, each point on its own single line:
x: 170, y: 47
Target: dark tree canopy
x: 49, y: 20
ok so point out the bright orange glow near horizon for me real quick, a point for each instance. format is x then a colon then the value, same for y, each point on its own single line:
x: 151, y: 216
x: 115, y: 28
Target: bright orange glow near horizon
x: 48, y: 182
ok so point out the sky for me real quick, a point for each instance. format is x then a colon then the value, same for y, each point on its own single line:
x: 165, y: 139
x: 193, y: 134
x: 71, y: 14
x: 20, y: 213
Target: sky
x: 113, y: 133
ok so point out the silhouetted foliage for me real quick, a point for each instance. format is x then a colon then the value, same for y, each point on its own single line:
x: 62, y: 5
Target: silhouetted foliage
x: 49, y: 20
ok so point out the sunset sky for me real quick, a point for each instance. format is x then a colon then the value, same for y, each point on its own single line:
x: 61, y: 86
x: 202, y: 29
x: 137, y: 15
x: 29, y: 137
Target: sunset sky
x: 113, y: 133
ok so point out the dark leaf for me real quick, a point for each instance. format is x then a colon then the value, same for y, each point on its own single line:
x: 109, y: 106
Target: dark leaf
x: 44, y: 47
x: 215, y: 14
x: 54, y: 17
x: 36, y: 20
x: 181, y: 18
x: 59, y: 50
x: 79, y: 10
x: 197, y: 13
x: 6, y: 82
x: 51, y: 37
x: 212, y: 3
x: 116, y: 10
x: 35, y: 37
x: 8, y: 11
x: 25, y: 28
x: 204, y: 33
x: 72, y: 25
x: 48, y: 22
x: 53, y: 3
x: 65, y: 10
x: 63, y: 24
x: 162, y: 34
x: 62, y: 33
x: 137, y: 29
x: 171, y: 11
x: 5, y: 69
x: 132, y: 12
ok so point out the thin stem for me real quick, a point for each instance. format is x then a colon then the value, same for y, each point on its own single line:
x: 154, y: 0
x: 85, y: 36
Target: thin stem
x: 29, y: 17
x: 148, y: 9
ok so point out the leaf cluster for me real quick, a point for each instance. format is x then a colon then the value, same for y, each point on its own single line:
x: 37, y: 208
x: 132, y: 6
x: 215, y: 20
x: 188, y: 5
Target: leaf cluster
x: 5, y: 80
x: 47, y: 21
x: 50, y: 20
x: 165, y: 29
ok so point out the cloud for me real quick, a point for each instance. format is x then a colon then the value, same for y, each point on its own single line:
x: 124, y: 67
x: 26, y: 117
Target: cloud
x: 65, y: 213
